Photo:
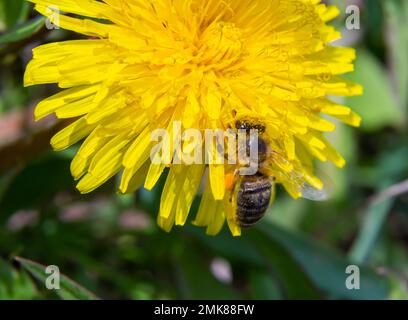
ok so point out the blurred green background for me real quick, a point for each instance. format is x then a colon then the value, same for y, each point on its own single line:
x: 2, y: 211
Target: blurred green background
x: 111, y: 245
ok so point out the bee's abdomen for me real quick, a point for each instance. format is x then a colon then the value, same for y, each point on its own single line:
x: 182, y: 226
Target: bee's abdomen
x: 253, y: 199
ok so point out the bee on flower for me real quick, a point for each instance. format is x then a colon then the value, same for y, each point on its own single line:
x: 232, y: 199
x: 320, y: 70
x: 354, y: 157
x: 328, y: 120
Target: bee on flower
x: 207, y: 64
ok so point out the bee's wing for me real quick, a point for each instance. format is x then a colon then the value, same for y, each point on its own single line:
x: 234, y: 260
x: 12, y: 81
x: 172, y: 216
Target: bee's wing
x: 299, y: 182
x: 311, y: 193
x: 306, y: 190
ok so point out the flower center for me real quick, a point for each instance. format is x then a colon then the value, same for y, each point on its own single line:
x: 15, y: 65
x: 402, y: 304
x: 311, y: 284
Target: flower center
x: 220, y: 46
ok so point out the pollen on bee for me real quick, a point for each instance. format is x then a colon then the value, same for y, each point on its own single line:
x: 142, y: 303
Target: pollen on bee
x: 229, y: 181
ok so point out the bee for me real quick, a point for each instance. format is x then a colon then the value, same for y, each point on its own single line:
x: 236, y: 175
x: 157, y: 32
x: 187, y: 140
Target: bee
x: 254, y: 192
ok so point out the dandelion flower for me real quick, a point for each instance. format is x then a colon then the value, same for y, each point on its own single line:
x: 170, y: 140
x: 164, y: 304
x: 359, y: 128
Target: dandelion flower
x: 147, y: 63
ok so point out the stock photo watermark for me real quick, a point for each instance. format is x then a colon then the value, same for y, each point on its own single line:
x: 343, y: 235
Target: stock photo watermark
x: 53, y: 21
x: 191, y: 146
x: 353, y: 278
x: 53, y: 280
x: 353, y: 17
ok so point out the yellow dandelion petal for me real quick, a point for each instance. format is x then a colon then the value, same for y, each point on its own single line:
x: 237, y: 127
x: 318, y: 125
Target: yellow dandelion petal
x: 64, y: 99
x: 203, y: 215
x: 166, y: 223
x: 172, y: 188
x: 231, y: 206
x: 218, y: 219
x: 138, y: 151
x: 217, y: 177
x: 136, y: 181
x: 93, y: 143
x: 71, y: 134
x: 188, y: 192
x: 154, y: 173
x: 104, y: 165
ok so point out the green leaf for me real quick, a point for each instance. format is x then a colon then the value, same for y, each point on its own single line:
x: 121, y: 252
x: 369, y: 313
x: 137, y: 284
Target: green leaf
x: 295, y: 282
x: 397, y: 37
x: 69, y: 290
x: 12, y: 12
x: 23, y: 31
x: 256, y: 252
x: 263, y: 287
x: 194, y: 280
x: 377, y: 106
x: 399, y: 290
x: 374, y: 220
x: 15, y: 285
x: 235, y: 249
x: 389, y: 167
x: 323, y: 266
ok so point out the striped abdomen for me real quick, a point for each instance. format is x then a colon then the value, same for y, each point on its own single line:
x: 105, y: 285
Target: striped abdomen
x: 254, y: 195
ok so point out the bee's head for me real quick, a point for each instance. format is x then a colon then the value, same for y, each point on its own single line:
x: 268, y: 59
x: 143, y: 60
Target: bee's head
x: 249, y: 124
